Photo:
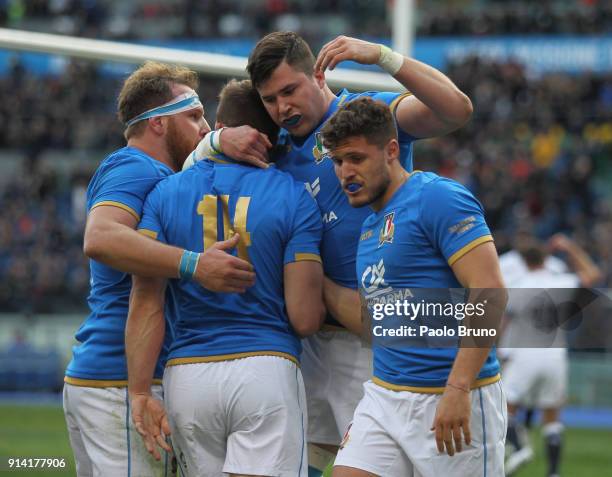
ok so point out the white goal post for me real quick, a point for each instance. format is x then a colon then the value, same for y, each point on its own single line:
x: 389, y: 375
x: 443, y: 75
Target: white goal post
x: 208, y: 63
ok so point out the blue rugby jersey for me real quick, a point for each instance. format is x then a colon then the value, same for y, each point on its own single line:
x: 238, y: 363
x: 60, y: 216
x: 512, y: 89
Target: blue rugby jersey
x: 122, y: 180
x: 307, y: 162
x: 429, y: 223
x: 278, y: 222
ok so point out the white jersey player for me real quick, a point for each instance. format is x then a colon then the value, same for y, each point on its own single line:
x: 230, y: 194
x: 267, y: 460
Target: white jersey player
x: 535, y: 371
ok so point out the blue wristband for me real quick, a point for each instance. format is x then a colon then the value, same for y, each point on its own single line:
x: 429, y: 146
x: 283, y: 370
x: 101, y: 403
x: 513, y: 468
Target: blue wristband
x: 188, y: 264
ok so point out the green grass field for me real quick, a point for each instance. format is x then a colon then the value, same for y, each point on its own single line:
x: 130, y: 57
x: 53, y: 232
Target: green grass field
x: 29, y: 431
x: 586, y: 453
x: 32, y: 431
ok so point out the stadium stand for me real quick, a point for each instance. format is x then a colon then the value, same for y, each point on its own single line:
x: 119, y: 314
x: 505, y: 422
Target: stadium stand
x: 536, y: 160
x: 536, y: 153
x: 313, y: 18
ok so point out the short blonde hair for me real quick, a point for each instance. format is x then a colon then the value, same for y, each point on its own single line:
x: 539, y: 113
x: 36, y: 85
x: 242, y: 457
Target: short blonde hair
x: 150, y: 86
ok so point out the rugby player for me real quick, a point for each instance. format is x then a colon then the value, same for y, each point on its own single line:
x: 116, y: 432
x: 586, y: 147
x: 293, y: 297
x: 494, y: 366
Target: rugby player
x: 164, y: 121
x: 536, y: 362
x: 426, y: 232
x: 291, y: 83
x: 234, y: 392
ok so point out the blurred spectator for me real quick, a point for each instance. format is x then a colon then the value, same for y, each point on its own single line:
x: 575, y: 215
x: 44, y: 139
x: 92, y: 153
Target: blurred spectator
x: 312, y: 18
x: 531, y: 156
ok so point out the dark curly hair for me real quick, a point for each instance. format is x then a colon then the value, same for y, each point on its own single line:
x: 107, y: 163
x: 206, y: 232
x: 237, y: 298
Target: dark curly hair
x: 361, y: 117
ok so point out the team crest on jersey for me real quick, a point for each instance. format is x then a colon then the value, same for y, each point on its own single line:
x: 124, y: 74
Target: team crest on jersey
x: 319, y: 151
x: 386, y: 233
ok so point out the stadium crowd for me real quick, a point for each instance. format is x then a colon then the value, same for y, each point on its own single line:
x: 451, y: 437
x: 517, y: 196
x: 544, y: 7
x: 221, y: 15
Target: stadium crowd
x: 219, y: 18
x: 532, y: 157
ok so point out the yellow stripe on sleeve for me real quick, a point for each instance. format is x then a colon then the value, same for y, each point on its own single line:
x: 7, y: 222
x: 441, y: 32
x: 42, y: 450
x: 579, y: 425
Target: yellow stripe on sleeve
x: 396, y: 101
x: 149, y: 233
x: 470, y: 246
x: 112, y: 203
x: 307, y: 257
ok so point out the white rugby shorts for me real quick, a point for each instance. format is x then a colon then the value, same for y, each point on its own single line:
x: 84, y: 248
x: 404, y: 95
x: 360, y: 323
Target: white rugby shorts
x: 241, y: 416
x: 335, y: 364
x: 390, y: 435
x: 103, y: 437
x: 536, y: 377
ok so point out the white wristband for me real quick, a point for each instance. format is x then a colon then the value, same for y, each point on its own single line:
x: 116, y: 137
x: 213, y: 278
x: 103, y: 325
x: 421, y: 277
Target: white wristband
x: 389, y: 60
x: 216, y: 141
x: 203, y: 150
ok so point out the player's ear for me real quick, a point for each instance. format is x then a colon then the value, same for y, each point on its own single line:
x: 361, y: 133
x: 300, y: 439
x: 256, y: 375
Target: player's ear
x: 157, y: 124
x: 319, y: 77
x: 392, y: 150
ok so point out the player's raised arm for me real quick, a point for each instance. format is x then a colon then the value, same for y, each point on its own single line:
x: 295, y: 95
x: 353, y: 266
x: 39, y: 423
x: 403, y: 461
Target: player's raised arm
x: 588, y: 272
x: 144, y: 335
x: 436, y: 106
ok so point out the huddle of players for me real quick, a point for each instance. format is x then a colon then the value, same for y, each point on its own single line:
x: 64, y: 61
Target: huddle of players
x: 233, y: 391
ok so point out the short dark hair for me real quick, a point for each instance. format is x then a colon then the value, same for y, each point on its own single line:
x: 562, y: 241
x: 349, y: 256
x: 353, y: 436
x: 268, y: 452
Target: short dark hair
x: 361, y: 117
x: 240, y: 104
x: 531, y: 249
x: 533, y: 255
x: 275, y: 48
x: 148, y: 87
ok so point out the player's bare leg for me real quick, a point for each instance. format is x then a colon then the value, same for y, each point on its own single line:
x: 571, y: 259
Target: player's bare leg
x: 343, y: 471
x: 552, y: 431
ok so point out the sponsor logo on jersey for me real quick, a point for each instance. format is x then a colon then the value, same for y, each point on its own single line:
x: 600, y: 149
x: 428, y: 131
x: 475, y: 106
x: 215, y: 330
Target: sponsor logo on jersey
x: 319, y: 151
x: 387, y: 231
x: 463, y: 226
x: 366, y: 235
x: 373, y: 277
x: 329, y: 217
x: 373, y: 281
x: 314, y: 188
